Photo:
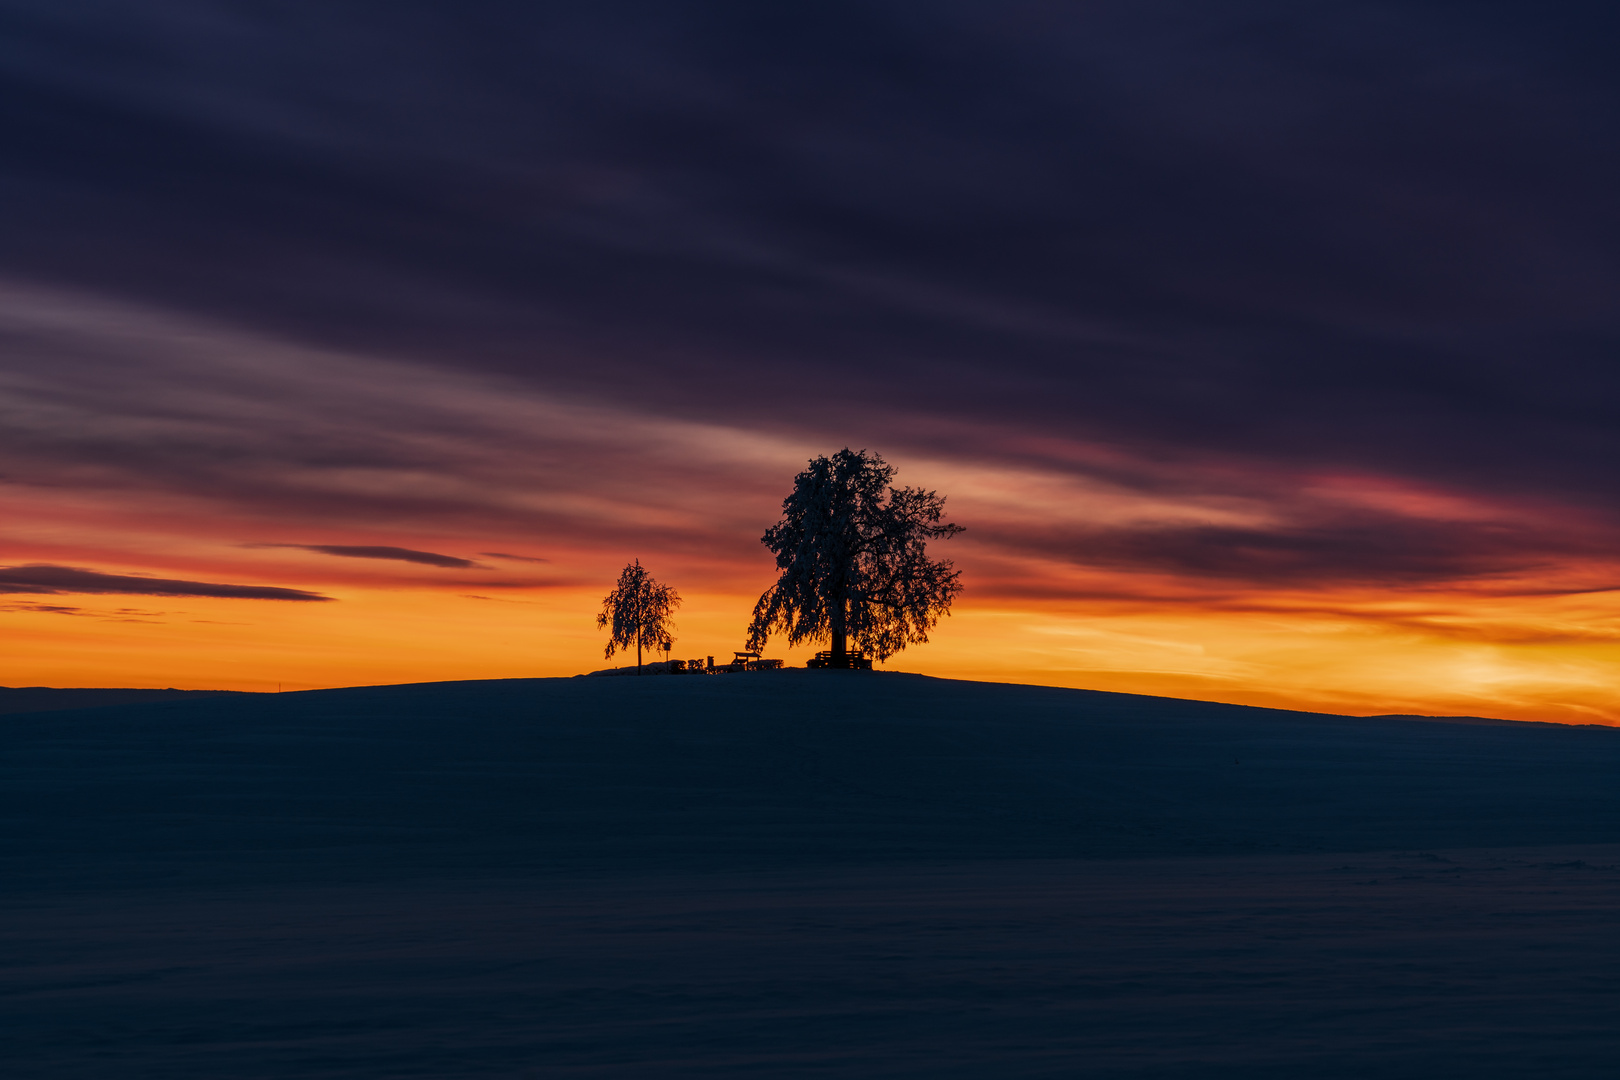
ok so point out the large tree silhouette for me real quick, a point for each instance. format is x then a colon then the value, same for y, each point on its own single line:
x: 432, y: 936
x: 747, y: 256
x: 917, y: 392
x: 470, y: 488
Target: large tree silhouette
x: 637, y: 612
x: 851, y: 551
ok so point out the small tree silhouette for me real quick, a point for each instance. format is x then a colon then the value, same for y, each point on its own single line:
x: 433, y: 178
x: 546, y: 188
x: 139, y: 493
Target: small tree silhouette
x: 637, y: 612
x: 851, y: 552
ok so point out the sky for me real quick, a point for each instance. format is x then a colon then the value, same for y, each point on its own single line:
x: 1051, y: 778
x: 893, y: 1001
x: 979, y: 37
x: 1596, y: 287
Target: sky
x: 1267, y: 351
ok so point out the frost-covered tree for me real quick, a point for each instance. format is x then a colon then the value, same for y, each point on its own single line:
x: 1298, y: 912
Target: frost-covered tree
x: 851, y: 551
x: 637, y: 612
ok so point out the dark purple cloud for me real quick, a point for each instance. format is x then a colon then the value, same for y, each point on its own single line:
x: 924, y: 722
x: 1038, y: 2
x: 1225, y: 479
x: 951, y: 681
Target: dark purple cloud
x: 514, y: 558
x: 53, y: 580
x: 1360, y: 550
x: 378, y: 551
x: 1351, y: 235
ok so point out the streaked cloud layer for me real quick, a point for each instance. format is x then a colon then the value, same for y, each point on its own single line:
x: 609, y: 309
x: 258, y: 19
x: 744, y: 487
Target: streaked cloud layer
x: 1266, y: 352
x: 54, y: 580
x: 378, y: 551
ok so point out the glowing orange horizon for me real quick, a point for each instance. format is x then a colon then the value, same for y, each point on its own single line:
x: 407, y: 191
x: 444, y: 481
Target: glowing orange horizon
x: 1512, y: 654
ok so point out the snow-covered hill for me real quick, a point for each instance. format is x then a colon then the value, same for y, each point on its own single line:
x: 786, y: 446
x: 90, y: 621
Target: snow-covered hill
x: 767, y: 770
x: 789, y: 873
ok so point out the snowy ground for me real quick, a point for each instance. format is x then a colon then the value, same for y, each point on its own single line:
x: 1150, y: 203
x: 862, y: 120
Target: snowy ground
x: 796, y: 874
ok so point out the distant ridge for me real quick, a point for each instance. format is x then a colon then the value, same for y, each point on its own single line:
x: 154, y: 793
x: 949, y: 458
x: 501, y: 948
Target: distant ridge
x: 27, y: 699
x: 1487, y: 721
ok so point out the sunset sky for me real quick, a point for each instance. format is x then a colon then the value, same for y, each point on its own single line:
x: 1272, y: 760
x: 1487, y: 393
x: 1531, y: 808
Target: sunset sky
x: 1268, y: 352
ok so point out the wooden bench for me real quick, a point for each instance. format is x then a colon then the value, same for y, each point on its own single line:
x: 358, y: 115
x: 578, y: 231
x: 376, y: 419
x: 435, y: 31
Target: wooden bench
x: 847, y: 662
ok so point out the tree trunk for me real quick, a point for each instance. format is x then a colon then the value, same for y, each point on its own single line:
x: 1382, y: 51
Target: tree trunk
x: 840, y: 637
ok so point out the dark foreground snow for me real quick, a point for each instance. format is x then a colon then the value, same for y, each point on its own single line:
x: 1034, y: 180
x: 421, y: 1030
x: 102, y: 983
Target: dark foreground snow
x: 801, y: 873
